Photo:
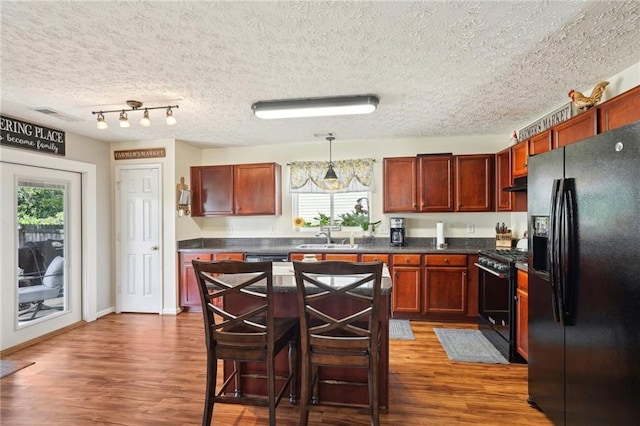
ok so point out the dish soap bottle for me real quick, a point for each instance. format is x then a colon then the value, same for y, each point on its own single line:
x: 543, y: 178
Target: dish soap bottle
x: 351, y: 239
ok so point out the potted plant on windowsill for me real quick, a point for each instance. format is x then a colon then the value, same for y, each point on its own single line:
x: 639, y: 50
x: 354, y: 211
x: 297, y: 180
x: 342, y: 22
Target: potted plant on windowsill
x: 369, y: 227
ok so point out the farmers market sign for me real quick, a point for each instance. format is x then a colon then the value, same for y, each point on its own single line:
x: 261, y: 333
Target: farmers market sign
x: 21, y: 134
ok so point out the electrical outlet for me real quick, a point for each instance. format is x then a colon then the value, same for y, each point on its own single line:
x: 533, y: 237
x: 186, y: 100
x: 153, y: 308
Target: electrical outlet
x: 470, y: 228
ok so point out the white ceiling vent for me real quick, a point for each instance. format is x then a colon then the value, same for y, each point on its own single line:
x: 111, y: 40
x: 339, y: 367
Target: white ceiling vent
x: 57, y: 114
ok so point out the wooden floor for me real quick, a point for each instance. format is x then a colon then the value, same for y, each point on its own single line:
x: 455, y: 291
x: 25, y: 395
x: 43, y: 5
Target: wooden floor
x: 134, y: 369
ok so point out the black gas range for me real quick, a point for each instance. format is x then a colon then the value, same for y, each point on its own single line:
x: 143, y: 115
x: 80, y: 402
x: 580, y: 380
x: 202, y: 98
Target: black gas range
x: 501, y: 260
x: 497, y: 298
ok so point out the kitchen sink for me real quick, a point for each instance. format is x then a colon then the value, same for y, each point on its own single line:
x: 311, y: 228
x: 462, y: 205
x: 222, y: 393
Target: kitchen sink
x: 327, y: 246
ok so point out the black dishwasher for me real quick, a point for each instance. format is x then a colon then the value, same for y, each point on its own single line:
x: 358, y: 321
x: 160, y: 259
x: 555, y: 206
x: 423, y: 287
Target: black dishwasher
x: 266, y: 257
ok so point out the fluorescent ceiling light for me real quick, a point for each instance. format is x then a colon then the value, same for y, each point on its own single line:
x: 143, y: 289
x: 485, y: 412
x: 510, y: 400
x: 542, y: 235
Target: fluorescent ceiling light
x: 315, y: 107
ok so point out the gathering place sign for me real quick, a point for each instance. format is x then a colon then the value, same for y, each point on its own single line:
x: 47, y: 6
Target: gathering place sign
x: 21, y: 134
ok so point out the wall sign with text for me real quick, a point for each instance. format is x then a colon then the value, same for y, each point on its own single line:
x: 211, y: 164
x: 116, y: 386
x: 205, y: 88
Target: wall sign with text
x: 21, y: 134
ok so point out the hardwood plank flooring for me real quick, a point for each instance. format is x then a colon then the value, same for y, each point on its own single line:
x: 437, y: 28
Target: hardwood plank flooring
x: 136, y: 369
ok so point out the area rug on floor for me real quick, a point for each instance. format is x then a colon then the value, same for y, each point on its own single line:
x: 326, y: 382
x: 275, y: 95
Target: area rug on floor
x: 400, y: 330
x: 8, y: 366
x: 468, y: 346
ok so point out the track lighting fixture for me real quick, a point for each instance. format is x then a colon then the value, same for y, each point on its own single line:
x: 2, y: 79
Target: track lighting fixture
x: 171, y: 120
x: 124, y: 120
x: 101, y: 123
x: 145, y: 121
x: 316, y: 107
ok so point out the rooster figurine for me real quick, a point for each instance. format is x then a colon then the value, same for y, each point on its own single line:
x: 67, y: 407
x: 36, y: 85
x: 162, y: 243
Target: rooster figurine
x: 585, y: 102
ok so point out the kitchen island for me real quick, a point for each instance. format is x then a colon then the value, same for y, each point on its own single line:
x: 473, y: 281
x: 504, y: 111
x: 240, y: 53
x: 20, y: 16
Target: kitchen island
x: 285, y: 294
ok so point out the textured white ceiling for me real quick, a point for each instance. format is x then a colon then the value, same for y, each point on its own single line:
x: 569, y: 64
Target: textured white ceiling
x: 439, y: 68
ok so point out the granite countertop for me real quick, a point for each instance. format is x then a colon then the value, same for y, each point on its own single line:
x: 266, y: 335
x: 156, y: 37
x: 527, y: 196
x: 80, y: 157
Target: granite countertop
x: 523, y: 266
x: 282, y: 246
x: 284, y: 280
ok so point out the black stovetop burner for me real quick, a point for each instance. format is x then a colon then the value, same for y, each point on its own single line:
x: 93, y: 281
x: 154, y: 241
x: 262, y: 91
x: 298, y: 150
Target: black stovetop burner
x: 505, y: 255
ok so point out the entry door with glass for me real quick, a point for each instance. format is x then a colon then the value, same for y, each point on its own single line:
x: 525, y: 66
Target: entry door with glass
x: 41, y: 264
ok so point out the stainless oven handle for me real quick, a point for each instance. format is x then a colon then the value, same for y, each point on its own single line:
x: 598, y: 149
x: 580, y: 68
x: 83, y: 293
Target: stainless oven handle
x: 492, y: 272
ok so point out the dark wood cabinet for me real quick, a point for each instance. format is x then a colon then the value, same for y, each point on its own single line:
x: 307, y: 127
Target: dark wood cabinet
x: 519, y: 159
x: 619, y: 111
x: 407, y: 284
x: 435, y: 183
x: 243, y: 189
x: 212, y: 190
x: 504, y: 199
x: 400, y: 178
x: 522, y: 314
x: 577, y: 128
x: 188, y: 286
x: 445, y: 281
x: 474, y: 183
x: 540, y: 143
x: 189, y: 297
x: 256, y: 189
x: 438, y: 183
x: 472, y: 287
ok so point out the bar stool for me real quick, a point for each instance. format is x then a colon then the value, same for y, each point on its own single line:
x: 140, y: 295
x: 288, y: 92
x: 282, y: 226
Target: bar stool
x: 338, y: 303
x: 240, y: 327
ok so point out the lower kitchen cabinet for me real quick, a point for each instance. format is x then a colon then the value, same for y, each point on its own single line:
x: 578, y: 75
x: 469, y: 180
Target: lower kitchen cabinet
x: 522, y: 314
x: 445, y: 281
x: 407, y: 284
x: 346, y: 257
x: 189, y: 296
x: 472, y: 287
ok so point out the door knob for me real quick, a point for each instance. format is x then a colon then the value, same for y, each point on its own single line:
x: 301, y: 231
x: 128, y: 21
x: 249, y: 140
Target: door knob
x: 154, y: 248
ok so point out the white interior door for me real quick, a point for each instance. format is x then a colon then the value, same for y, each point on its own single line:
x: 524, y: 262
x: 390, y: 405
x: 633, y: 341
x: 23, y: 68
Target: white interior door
x: 139, y: 287
x: 41, y: 274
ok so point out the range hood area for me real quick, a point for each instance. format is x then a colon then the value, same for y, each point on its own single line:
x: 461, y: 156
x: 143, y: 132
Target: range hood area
x: 519, y: 184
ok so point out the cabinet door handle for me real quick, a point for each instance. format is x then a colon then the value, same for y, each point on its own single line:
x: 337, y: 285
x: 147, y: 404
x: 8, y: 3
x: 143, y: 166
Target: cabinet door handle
x: 446, y: 261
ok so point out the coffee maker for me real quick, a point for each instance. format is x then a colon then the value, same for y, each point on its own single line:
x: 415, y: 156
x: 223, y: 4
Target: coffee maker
x: 396, y: 228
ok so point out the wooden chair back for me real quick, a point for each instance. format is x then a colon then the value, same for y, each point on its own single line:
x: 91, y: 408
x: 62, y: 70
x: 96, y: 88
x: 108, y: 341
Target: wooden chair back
x: 240, y: 332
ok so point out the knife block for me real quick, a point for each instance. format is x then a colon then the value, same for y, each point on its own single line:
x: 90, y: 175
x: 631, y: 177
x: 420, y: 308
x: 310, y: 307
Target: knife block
x: 504, y: 241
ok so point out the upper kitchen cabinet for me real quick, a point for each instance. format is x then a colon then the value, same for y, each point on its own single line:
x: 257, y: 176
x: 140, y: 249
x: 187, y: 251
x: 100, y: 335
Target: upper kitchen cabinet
x: 435, y: 184
x: 256, y: 189
x: 212, y: 190
x: 504, y: 199
x: 577, y: 128
x: 540, y: 143
x: 400, y: 182
x: 474, y: 183
x: 519, y: 159
x: 241, y: 189
x: 438, y: 183
x: 619, y: 111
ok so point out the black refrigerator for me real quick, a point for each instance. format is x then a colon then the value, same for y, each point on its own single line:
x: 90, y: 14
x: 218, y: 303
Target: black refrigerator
x: 584, y: 280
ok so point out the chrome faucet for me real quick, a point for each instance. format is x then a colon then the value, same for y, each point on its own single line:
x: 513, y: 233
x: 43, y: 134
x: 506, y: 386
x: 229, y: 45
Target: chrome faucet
x: 327, y: 234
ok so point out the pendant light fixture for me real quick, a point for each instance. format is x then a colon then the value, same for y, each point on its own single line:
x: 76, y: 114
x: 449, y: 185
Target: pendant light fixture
x: 145, y: 121
x: 331, y: 178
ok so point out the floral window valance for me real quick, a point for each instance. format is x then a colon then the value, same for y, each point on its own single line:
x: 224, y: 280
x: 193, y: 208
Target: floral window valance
x: 353, y: 175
